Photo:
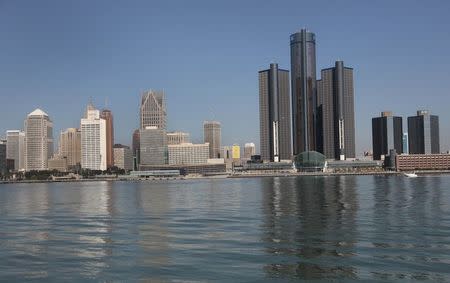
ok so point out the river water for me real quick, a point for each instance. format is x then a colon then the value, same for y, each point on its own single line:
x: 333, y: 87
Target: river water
x: 347, y: 228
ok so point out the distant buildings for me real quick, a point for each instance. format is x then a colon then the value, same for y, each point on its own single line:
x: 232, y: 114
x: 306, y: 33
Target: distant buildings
x: 93, y: 140
x: 274, y: 114
x: 188, y: 154
x: 212, y: 135
x: 39, y: 140
x: 304, y: 91
x: 249, y: 150
x: 236, y: 152
x: 15, y: 148
x: 108, y: 117
x: 336, y: 114
x: 70, y: 146
x: 153, y: 110
x: 153, y: 146
x: 123, y: 157
x: 423, y: 131
x: 177, y: 138
x: 387, y: 134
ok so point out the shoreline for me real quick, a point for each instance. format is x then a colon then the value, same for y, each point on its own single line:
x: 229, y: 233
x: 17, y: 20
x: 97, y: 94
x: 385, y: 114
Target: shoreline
x: 231, y: 176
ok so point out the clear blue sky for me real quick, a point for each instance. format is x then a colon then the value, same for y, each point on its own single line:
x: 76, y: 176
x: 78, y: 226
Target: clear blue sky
x: 206, y: 56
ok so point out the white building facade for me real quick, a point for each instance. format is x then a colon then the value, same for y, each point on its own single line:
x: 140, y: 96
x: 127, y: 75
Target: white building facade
x: 38, y: 140
x: 188, y: 154
x: 93, y: 140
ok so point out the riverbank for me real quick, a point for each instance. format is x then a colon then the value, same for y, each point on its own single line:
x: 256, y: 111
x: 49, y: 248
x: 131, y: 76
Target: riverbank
x: 232, y: 176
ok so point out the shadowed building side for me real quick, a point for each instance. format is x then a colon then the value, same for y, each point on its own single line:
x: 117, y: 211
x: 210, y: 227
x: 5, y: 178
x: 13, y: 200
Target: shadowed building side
x: 274, y: 114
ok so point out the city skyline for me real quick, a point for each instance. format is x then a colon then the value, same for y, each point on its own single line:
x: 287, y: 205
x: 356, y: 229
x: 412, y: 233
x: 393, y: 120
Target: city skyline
x: 378, y: 86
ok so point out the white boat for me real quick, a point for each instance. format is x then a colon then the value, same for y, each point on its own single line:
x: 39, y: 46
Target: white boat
x: 411, y: 175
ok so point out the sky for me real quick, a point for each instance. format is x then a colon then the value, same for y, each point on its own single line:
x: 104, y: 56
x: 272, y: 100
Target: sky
x: 205, y: 55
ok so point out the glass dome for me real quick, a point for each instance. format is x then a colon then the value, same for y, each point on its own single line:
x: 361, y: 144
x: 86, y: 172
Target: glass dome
x: 309, y: 161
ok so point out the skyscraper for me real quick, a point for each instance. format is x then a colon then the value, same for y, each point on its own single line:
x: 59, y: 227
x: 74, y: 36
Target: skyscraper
x: 153, y: 110
x: 153, y: 146
x: 93, y: 140
x: 108, y: 117
x: 70, y: 146
x: 136, y: 147
x: 423, y: 132
x: 387, y: 134
x: 274, y: 114
x: 15, y: 148
x: 405, y: 143
x: 336, y: 113
x: 3, y: 167
x: 212, y: 135
x: 38, y: 140
x: 304, y: 92
x: 123, y: 157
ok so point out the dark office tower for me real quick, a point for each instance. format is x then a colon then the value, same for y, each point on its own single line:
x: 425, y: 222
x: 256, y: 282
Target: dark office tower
x: 274, y: 114
x: 108, y: 117
x: 136, y: 148
x: 423, y: 132
x: 304, y: 93
x: 336, y: 113
x: 387, y: 134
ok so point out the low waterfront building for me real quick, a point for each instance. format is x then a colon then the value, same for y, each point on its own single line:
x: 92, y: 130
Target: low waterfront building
x: 353, y: 166
x: 413, y: 162
x: 197, y: 169
x: 58, y: 163
x: 188, y: 153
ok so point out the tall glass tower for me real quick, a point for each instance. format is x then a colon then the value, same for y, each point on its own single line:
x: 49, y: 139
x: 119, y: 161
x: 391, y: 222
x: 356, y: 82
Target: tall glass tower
x: 304, y: 92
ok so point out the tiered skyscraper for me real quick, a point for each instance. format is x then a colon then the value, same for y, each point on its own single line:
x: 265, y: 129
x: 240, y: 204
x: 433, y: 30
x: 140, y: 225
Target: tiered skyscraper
x: 212, y: 135
x: 39, y: 140
x: 336, y: 115
x: 93, y: 140
x: 153, y: 110
x: 152, y: 134
x: 274, y: 114
x: 304, y: 91
x: 423, y: 132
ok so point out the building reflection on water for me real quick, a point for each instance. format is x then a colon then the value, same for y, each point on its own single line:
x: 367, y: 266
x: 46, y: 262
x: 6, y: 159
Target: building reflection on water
x: 309, y: 220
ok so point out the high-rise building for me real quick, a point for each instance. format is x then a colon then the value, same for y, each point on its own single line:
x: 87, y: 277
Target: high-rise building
x: 387, y: 134
x: 188, y: 154
x: 153, y: 110
x: 153, y: 146
x: 108, y: 117
x: 177, y: 138
x: 405, y: 143
x: 336, y: 112
x: 70, y: 146
x: 249, y: 150
x: 274, y: 114
x: 93, y: 140
x: 38, y: 140
x: 212, y: 135
x: 15, y: 148
x: 3, y: 157
x: 123, y: 157
x: 423, y: 132
x: 136, y: 147
x: 304, y: 92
